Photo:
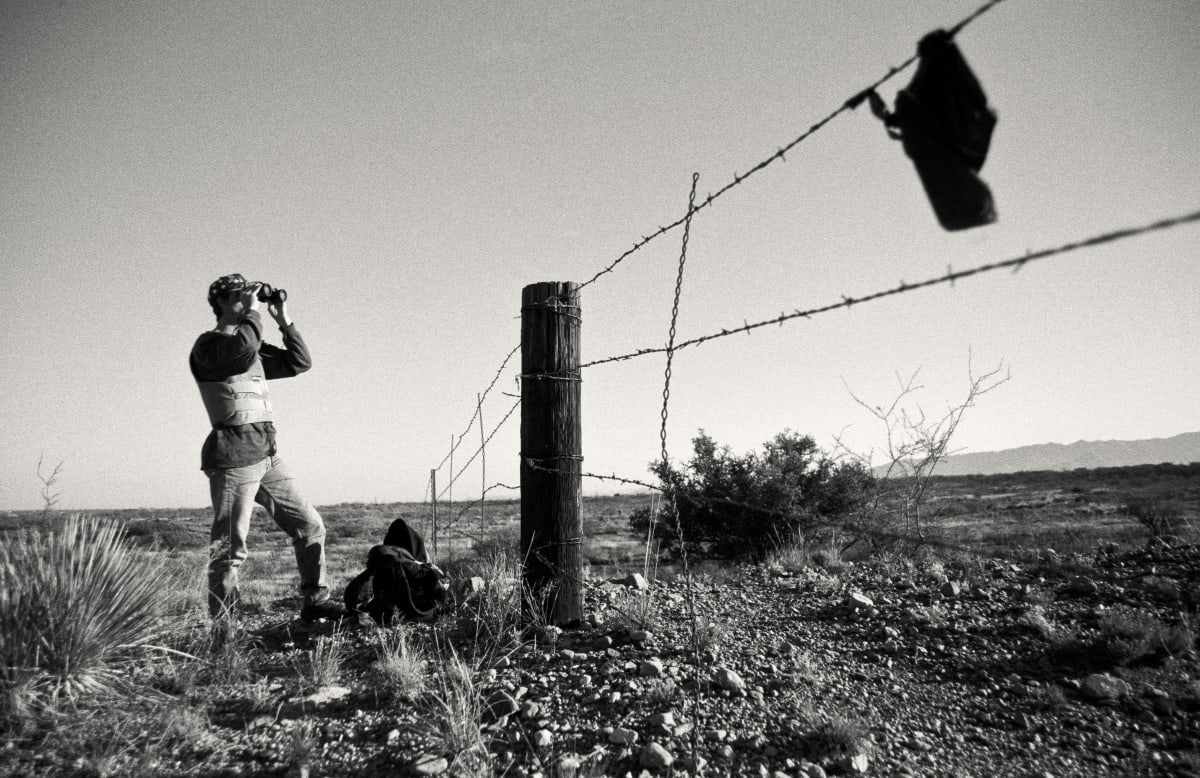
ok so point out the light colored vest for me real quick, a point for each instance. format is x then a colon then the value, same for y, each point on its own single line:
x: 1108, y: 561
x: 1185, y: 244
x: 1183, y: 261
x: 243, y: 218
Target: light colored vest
x: 238, y: 399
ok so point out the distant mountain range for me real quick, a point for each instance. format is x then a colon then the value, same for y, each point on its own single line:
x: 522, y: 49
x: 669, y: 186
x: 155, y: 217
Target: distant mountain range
x: 1183, y: 449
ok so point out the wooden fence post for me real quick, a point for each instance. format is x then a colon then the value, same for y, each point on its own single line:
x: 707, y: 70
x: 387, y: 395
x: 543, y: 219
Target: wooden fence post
x: 551, y: 451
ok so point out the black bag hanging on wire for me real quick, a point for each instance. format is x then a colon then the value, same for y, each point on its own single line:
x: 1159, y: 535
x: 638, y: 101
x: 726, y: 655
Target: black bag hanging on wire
x: 943, y: 119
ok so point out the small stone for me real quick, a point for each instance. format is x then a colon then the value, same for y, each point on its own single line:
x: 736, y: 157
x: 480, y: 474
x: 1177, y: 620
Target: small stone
x: 622, y: 737
x: 1101, y: 687
x: 859, y: 601
x: 858, y: 764
x: 542, y: 738
x: 428, y: 764
x: 729, y: 679
x: 951, y: 589
x: 654, y: 756
x: 1084, y: 586
x: 327, y: 694
x: 393, y: 737
x: 651, y: 668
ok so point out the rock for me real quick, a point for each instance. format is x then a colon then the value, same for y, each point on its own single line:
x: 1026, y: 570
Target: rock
x: 729, y: 679
x: 327, y: 694
x: 542, y: 738
x: 622, y: 737
x: 1083, y: 586
x: 859, y: 601
x: 1101, y: 687
x: 810, y: 770
x: 858, y: 764
x: 655, y: 757
x: 428, y: 764
x: 951, y: 589
x: 651, y: 668
x: 666, y: 719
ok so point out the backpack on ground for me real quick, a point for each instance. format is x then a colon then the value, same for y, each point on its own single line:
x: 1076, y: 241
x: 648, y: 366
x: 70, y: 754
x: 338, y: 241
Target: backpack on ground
x: 400, y: 583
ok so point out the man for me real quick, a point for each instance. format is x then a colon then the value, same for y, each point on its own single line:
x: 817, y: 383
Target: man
x: 231, y: 365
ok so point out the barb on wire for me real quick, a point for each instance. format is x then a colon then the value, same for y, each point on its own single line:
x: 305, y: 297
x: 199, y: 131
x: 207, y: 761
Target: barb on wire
x: 1016, y: 263
x: 740, y: 178
x: 478, y: 407
x: 480, y: 449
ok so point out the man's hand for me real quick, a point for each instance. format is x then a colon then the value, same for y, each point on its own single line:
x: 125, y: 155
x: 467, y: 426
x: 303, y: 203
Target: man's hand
x: 249, y: 298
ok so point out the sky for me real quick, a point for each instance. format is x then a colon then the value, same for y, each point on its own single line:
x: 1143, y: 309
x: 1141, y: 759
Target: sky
x: 404, y: 169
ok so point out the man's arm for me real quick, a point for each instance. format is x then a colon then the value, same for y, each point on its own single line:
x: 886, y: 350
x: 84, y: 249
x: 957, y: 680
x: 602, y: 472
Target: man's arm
x: 294, y: 357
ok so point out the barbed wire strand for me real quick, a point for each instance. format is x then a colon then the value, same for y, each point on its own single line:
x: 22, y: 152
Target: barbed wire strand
x: 478, y: 406
x: 739, y: 178
x: 710, y: 500
x: 950, y: 277
x: 479, y: 450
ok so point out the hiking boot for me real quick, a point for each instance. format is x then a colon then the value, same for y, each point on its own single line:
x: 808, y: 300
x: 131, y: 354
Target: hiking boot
x: 327, y: 609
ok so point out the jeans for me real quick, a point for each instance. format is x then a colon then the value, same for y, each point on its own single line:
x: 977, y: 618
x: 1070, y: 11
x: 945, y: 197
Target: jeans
x: 234, y: 492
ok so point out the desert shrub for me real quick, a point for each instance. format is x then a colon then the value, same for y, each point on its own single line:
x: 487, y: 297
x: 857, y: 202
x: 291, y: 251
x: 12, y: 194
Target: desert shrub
x: 453, y: 719
x: 1159, y: 518
x: 1125, y: 637
x: 75, y: 602
x: 734, y: 507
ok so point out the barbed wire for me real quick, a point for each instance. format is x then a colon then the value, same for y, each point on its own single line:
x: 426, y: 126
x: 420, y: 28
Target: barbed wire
x: 478, y: 406
x: 850, y: 104
x: 739, y: 178
x: 903, y: 288
x: 479, y: 450
x: 474, y: 503
x: 708, y: 501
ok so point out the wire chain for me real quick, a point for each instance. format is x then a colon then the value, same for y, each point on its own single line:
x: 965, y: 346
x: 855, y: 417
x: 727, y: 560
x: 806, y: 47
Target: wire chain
x: 950, y: 277
x: 666, y: 394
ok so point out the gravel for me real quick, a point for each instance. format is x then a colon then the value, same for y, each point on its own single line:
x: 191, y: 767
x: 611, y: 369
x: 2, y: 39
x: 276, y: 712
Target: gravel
x: 984, y: 668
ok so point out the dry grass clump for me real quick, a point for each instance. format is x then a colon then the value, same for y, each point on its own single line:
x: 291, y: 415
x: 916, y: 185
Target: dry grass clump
x: 75, y: 603
x: 834, y: 736
x: 493, y: 615
x: 322, y: 666
x: 454, y: 718
x: 402, y: 665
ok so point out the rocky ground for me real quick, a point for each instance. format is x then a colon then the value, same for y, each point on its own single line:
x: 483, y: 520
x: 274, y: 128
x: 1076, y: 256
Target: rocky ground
x: 1047, y: 667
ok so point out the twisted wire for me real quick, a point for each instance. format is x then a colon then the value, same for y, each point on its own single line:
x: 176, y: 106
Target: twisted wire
x: 903, y: 288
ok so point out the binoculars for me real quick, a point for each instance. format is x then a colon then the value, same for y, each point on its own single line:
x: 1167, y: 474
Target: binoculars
x: 269, y: 294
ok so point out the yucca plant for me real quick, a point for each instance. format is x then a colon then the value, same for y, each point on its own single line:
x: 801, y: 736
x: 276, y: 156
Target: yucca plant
x: 75, y: 602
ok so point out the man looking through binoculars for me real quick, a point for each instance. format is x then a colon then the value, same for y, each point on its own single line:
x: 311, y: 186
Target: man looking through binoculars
x: 231, y: 365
